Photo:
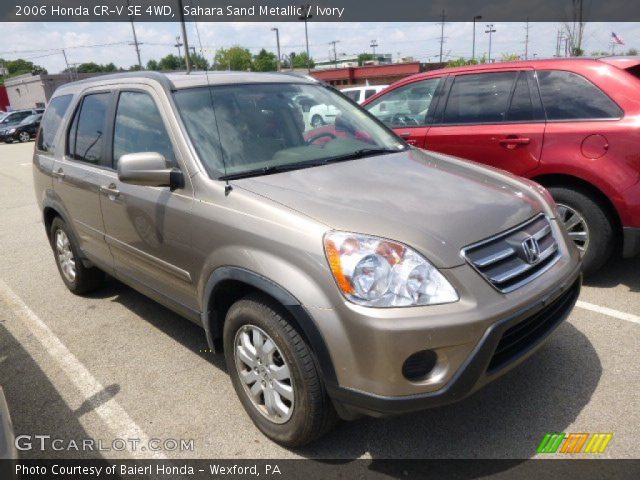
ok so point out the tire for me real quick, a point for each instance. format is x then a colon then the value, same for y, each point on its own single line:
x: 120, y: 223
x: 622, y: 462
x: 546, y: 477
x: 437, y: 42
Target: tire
x: 600, y: 230
x: 8, y: 140
x: 317, y: 121
x: 310, y: 411
x: 24, y: 137
x: 67, y: 254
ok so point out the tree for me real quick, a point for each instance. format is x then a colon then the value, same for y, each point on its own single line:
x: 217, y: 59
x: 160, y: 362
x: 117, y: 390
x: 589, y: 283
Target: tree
x: 135, y: 68
x: 301, y: 60
x: 364, y: 57
x: 198, y: 62
x: 20, y: 67
x: 265, y: 62
x: 632, y: 52
x: 462, y: 62
x: 152, y: 65
x: 509, y: 57
x: 234, y: 58
x: 171, y: 62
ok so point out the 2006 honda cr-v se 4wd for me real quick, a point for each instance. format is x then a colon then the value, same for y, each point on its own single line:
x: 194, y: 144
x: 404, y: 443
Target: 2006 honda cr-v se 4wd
x: 341, y: 271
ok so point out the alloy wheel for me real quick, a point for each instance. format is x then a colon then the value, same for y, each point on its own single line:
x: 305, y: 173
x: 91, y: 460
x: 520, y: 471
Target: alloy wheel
x: 65, y: 255
x: 264, y: 373
x: 576, y: 226
x: 24, y: 137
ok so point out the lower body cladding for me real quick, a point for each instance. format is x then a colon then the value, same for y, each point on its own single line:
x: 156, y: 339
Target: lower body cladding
x: 411, y: 371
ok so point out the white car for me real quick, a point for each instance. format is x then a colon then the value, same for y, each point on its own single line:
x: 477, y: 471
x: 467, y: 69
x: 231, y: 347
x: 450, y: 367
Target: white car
x: 322, y: 114
x: 360, y: 94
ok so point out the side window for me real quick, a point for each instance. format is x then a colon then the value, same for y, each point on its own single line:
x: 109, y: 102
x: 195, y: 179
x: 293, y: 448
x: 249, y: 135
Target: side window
x: 521, y: 108
x: 139, y: 128
x: 51, y: 122
x: 353, y: 95
x: 407, y: 106
x: 86, y: 136
x: 370, y: 92
x: 568, y: 96
x: 479, y: 98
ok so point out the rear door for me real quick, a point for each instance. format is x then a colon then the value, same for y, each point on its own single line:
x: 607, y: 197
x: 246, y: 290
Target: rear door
x: 79, y: 173
x: 494, y: 118
x: 408, y: 109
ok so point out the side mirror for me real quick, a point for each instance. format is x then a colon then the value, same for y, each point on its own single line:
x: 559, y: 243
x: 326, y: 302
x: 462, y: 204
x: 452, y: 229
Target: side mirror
x: 149, y: 169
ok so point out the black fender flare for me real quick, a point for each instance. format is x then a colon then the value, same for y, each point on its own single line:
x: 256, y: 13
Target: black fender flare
x: 302, y: 317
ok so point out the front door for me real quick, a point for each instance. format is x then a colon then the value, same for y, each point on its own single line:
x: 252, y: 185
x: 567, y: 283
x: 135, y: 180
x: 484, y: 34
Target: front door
x: 492, y: 118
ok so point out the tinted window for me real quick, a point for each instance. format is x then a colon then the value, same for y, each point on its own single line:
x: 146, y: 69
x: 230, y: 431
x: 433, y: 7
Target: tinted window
x: 353, y: 95
x: 521, y: 108
x: 86, y: 134
x: 139, y: 128
x: 407, y: 106
x: 481, y: 98
x: 568, y: 96
x: 369, y: 93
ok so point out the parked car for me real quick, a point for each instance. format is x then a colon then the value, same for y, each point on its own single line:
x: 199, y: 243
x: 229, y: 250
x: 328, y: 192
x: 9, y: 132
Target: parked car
x: 340, y: 278
x: 568, y: 124
x: 22, y: 132
x: 360, y: 94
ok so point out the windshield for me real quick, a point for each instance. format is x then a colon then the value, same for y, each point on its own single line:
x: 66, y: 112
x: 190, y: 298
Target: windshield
x: 30, y: 119
x: 261, y: 128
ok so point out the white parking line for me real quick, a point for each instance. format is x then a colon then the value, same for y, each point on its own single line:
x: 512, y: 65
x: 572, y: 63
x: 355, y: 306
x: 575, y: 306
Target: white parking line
x: 26, y: 164
x: 114, y: 416
x: 609, y: 311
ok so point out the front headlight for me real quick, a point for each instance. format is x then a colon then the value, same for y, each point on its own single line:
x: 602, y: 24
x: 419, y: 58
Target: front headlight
x: 375, y: 272
x: 11, y: 130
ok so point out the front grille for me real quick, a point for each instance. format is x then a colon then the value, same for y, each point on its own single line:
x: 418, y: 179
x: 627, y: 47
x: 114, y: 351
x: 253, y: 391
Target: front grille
x: 505, y: 261
x: 522, y: 336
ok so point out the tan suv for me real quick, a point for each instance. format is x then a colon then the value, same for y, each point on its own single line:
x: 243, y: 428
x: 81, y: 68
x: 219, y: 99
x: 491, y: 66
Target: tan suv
x: 341, y: 271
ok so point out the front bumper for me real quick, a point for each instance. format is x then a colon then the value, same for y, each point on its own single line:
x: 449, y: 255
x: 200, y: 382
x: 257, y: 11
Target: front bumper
x: 494, y: 355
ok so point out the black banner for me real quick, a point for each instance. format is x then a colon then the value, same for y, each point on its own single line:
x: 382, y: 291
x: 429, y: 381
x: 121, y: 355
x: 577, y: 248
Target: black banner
x: 319, y: 11
x: 319, y: 469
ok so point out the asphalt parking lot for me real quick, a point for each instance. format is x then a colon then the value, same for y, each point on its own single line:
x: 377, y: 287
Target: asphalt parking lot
x: 117, y: 365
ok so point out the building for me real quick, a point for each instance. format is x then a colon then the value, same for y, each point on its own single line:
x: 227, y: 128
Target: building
x: 4, y: 99
x: 372, y: 74
x: 30, y: 91
x: 344, y: 61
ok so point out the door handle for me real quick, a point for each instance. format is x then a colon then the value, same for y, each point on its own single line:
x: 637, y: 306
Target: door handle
x: 513, y: 142
x: 110, y: 190
x: 404, y: 134
x: 58, y: 173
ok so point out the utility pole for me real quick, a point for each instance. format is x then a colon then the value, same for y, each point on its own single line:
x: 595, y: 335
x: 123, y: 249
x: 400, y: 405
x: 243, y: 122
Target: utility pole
x: 178, y: 45
x: 373, y: 45
x: 66, y: 61
x: 184, y: 37
x: 442, y: 16
x: 490, y: 30
x: 274, y: 29
x: 335, y: 54
x: 135, y: 38
x: 526, y: 41
x: 473, y: 48
x: 306, y: 15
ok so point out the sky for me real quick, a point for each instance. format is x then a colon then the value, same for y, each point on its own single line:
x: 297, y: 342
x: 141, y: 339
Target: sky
x: 42, y: 42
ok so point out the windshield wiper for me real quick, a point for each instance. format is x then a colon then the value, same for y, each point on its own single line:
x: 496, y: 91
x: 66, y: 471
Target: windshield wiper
x: 256, y: 172
x: 362, y: 153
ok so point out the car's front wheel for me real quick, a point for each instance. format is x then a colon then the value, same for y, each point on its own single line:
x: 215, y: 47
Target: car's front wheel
x: 76, y: 276
x: 587, y: 224
x: 24, y: 137
x: 274, y: 373
x: 317, y: 121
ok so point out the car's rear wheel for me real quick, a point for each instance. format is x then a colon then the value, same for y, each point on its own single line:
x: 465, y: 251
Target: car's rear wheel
x: 24, y: 137
x: 317, y: 121
x: 587, y: 224
x: 76, y: 276
x: 274, y: 373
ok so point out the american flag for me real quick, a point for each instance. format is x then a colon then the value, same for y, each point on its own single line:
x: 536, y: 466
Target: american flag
x: 616, y: 39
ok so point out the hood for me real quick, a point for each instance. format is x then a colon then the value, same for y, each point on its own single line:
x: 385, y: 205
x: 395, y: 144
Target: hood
x: 431, y: 202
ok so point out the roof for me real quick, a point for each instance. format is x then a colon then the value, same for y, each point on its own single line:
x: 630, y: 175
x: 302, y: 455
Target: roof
x: 178, y: 80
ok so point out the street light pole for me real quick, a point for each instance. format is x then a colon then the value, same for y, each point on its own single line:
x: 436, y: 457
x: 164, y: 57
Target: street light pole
x: 373, y: 45
x: 306, y: 15
x: 184, y: 38
x: 335, y: 54
x: 135, y: 38
x: 473, y: 48
x: 274, y: 29
x: 490, y: 30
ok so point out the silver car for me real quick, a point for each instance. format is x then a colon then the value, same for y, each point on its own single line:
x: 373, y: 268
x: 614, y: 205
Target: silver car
x: 341, y: 271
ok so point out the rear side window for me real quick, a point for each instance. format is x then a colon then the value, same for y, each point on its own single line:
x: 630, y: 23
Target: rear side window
x: 353, y: 95
x: 521, y: 109
x: 51, y: 122
x: 407, y: 106
x: 139, y: 128
x: 479, y: 98
x: 369, y: 93
x: 569, y: 96
x: 86, y: 136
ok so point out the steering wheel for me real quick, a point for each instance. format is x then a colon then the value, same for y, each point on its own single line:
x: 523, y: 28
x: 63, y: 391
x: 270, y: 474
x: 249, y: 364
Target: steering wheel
x: 315, y: 137
x: 403, y: 120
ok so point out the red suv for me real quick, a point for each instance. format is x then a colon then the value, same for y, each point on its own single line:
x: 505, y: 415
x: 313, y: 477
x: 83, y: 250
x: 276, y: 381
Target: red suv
x: 572, y: 125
